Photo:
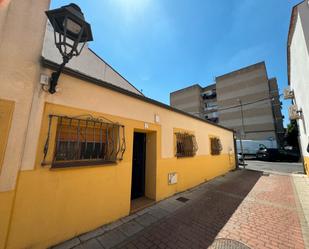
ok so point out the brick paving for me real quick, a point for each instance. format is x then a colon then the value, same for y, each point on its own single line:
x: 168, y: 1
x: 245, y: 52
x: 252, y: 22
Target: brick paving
x: 268, y: 217
x: 301, y: 183
x: 255, y: 209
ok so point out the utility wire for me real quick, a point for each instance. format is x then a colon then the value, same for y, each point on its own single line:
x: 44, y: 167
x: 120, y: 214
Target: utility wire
x: 248, y: 103
x: 243, y: 104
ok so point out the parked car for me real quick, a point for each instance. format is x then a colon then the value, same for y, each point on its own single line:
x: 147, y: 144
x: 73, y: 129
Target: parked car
x: 272, y: 154
x: 250, y: 147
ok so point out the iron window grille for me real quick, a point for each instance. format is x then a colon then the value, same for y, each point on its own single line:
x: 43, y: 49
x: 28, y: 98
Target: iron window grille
x: 186, y: 145
x: 215, y: 146
x: 85, y: 140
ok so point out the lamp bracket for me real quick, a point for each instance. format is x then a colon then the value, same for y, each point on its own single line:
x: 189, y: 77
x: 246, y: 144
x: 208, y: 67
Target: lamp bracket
x: 55, y: 76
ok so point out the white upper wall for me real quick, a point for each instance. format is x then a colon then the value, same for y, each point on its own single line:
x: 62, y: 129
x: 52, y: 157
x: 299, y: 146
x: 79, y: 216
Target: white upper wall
x: 87, y: 63
x: 299, y: 72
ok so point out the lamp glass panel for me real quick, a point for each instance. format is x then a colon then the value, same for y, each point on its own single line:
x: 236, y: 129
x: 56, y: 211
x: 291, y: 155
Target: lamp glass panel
x: 72, y: 26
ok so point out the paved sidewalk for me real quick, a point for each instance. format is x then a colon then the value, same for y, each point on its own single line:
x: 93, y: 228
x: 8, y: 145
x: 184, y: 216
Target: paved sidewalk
x: 301, y: 183
x: 245, y: 207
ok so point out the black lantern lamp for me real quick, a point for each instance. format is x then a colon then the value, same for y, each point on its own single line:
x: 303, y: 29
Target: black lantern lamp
x: 71, y: 33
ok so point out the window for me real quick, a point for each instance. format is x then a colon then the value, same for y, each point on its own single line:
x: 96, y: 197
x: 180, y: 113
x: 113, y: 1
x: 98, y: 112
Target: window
x: 186, y: 145
x: 87, y: 141
x: 215, y: 146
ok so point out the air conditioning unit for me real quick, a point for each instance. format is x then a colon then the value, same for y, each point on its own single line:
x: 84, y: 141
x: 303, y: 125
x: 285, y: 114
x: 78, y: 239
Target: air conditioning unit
x: 288, y: 93
x: 294, y: 113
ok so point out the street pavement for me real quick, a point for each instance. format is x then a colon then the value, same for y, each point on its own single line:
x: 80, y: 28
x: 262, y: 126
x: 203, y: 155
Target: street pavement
x: 279, y: 167
x: 243, y: 209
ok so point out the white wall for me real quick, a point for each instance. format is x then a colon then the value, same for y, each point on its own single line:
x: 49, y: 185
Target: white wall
x: 87, y: 63
x: 299, y: 74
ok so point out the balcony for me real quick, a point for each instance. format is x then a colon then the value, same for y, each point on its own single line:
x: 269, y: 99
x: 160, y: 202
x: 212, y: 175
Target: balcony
x: 209, y: 95
x: 214, y: 120
x: 210, y: 108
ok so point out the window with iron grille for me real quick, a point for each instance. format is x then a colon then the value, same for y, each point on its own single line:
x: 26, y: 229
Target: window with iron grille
x: 186, y: 145
x: 215, y: 146
x: 85, y: 141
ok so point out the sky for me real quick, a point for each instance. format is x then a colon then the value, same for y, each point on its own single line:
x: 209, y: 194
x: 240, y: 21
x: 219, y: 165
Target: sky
x: 163, y: 45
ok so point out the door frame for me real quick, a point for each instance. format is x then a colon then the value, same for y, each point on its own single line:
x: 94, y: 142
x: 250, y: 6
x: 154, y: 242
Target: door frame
x: 151, y: 157
x: 142, y: 159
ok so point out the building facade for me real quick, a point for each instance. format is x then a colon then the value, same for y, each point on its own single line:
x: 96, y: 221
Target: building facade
x: 77, y: 159
x: 245, y: 100
x: 298, y: 74
x: 188, y: 100
x: 249, y: 103
x: 198, y: 101
x: 210, y: 104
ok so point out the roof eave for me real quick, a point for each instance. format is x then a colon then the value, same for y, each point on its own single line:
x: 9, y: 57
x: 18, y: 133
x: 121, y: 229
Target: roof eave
x: 293, y: 21
x: 54, y: 66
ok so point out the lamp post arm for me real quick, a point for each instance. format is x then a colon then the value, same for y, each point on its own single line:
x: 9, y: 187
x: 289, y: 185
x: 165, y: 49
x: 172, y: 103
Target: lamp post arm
x: 55, y: 76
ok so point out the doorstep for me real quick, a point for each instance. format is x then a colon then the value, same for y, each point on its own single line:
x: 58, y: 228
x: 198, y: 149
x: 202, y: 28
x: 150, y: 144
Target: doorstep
x: 140, y: 204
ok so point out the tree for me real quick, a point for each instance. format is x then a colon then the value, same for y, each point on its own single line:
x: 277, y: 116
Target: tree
x: 291, y: 135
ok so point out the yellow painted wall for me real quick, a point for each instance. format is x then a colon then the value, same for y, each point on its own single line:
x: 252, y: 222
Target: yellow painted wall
x: 55, y: 205
x: 52, y: 206
x: 191, y: 172
x: 6, y: 198
x: 6, y: 112
x: 152, y: 154
x: 6, y: 203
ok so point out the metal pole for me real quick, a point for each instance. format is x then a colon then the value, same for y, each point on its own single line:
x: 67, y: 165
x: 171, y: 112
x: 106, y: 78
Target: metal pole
x: 243, y: 132
x: 242, y: 118
x: 242, y: 151
x: 235, y: 150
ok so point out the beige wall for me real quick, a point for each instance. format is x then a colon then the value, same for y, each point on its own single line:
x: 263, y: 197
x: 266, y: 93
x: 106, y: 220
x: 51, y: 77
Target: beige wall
x: 248, y: 85
x: 87, y: 63
x: 276, y: 103
x: 188, y: 100
x: 19, y: 74
x: 20, y: 50
x: 84, y: 95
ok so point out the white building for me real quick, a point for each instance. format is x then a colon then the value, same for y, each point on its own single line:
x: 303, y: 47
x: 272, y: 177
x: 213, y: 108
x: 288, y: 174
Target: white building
x: 298, y: 74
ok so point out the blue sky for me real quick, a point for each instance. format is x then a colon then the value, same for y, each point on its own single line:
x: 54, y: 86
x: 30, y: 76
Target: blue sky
x: 163, y: 45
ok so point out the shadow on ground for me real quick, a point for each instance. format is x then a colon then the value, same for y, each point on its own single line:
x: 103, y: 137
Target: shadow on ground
x: 197, y: 224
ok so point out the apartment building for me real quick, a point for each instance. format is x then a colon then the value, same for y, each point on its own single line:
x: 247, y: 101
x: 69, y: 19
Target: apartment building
x: 198, y: 101
x: 209, y: 103
x: 188, y: 100
x: 245, y: 100
x: 249, y: 103
x: 298, y: 75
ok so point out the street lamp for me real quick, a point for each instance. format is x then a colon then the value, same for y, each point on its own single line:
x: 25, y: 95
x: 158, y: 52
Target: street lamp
x: 71, y: 32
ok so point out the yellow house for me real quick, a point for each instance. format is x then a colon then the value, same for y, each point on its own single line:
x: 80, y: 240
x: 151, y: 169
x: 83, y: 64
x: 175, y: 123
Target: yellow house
x: 77, y: 159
